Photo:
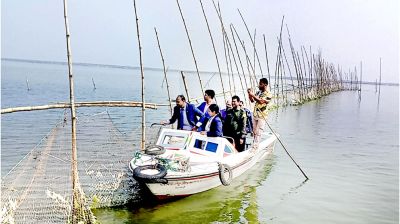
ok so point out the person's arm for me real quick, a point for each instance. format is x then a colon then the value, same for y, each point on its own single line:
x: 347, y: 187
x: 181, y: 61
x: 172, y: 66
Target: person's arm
x: 174, y: 116
x: 260, y: 100
x: 251, y: 95
x: 201, y: 106
x: 197, y: 112
x: 250, y: 122
x: 243, y: 129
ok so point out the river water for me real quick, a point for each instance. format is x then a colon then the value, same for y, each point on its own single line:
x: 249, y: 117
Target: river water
x: 349, y: 149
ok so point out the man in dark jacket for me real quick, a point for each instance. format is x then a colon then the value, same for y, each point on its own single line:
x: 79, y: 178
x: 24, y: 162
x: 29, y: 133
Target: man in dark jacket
x: 249, y: 120
x: 186, y: 114
x: 235, y: 124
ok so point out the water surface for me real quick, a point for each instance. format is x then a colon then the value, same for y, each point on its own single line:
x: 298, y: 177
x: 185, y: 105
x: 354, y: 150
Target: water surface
x: 348, y: 148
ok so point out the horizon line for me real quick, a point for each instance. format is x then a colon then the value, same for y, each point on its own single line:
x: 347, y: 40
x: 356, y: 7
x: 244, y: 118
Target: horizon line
x: 146, y: 68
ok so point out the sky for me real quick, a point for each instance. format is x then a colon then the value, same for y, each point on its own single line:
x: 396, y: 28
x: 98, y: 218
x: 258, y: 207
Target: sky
x: 347, y: 32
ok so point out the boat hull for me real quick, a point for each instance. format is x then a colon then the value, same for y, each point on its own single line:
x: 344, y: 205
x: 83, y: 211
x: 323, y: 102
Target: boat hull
x: 185, y: 186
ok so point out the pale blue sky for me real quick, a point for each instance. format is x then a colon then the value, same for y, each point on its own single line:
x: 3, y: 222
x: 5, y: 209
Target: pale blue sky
x: 347, y: 31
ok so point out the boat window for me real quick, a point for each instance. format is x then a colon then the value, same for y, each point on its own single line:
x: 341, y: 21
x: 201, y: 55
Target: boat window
x: 227, y: 149
x: 172, y: 140
x: 211, y: 147
x: 199, y: 144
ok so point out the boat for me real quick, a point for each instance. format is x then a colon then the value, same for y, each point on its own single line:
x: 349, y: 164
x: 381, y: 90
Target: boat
x: 183, y: 163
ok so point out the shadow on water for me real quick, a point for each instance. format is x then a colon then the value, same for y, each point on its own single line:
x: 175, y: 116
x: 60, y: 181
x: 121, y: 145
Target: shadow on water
x: 231, y: 204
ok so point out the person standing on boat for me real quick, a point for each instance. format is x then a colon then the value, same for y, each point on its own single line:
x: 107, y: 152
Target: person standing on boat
x: 186, y: 114
x: 213, y: 127
x: 227, y: 107
x: 235, y: 124
x: 261, y: 99
x: 209, y: 95
x: 249, y: 120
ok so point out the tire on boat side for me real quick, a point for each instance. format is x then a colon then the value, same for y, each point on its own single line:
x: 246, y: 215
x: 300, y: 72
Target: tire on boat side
x: 222, y: 168
x: 153, y: 178
x: 154, y: 150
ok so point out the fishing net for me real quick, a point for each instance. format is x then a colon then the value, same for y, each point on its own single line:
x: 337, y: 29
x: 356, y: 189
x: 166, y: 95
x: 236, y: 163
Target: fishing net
x: 39, y: 188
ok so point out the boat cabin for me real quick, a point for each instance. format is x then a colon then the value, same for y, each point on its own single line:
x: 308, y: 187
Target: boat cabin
x: 196, y: 143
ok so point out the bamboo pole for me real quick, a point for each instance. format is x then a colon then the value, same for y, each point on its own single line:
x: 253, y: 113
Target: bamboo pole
x: 186, y: 88
x: 380, y: 77
x: 143, y: 142
x: 282, y: 68
x: 94, y: 84
x: 238, y: 54
x: 277, y: 64
x: 165, y: 72
x: 252, y: 78
x: 77, y: 197
x: 305, y: 74
x: 360, y: 81
x: 301, y: 76
x: 230, y: 63
x: 230, y: 49
x: 252, y: 73
x: 82, y: 104
x: 27, y: 85
x: 225, y: 46
x: 248, y: 62
x: 284, y: 84
x: 290, y: 72
x: 252, y: 41
x: 266, y: 56
x: 254, y: 52
x: 226, y: 60
x: 277, y: 71
x: 311, y: 68
x: 237, y: 69
x: 215, y: 51
x: 191, y: 48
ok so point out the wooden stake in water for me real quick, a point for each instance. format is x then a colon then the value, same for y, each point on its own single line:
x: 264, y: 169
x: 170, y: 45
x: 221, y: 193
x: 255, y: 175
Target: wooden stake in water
x: 215, y: 51
x: 27, y: 85
x: 186, y: 88
x: 94, y: 85
x: 252, y: 41
x: 380, y: 76
x: 238, y: 54
x: 77, y: 200
x: 191, y: 48
x: 165, y: 72
x: 359, y: 95
x: 143, y: 142
x: 266, y: 57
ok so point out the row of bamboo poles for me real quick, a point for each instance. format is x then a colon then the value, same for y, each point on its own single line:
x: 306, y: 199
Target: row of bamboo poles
x: 302, y: 77
x: 309, y: 76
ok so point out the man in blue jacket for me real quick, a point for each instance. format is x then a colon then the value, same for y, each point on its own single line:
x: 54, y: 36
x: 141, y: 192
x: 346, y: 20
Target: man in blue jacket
x: 209, y: 95
x: 186, y: 114
x: 213, y: 126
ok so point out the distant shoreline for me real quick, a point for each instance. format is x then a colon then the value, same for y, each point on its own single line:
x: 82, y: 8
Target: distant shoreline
x: 97, y: 65
x: 137, y: 68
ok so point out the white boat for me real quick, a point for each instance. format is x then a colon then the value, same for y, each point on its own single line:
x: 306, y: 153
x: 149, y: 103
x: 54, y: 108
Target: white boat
x: 182, y: 163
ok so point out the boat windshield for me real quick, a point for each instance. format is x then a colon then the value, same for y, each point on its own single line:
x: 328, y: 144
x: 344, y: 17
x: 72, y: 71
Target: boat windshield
x: 177, y: 141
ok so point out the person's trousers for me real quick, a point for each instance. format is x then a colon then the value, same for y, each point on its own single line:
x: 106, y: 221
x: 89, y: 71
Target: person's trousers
x: 258, y: 128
